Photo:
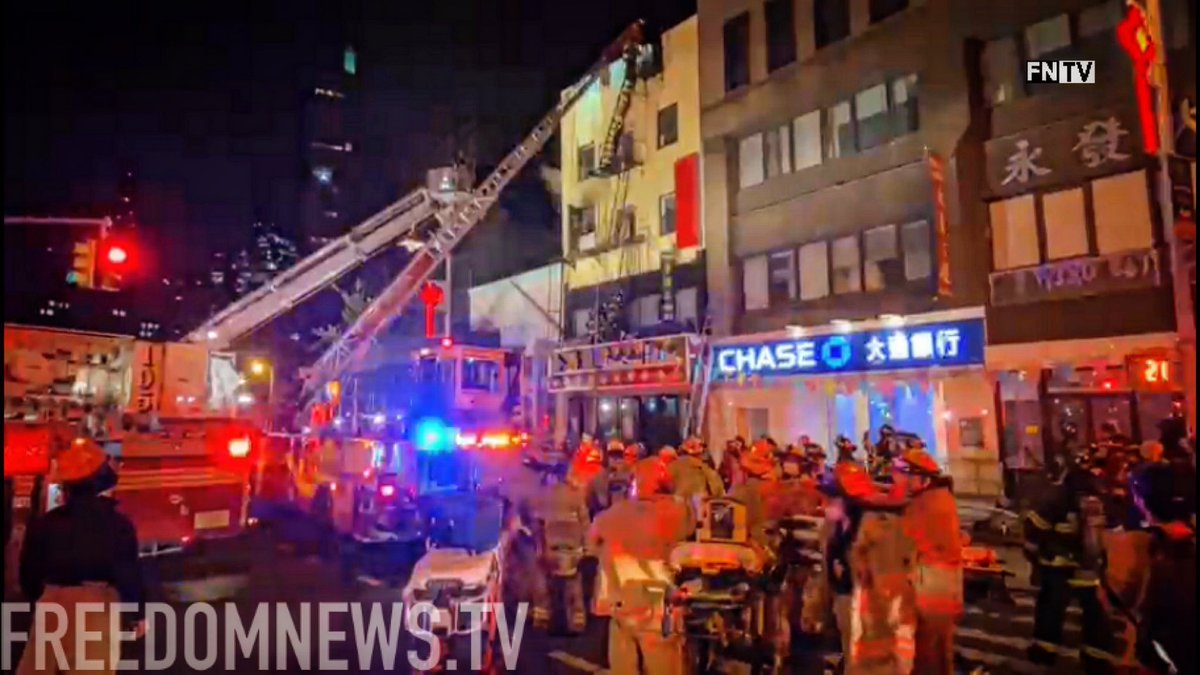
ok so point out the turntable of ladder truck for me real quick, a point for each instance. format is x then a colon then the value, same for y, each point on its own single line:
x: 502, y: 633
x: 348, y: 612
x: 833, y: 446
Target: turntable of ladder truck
x: 185, y: 457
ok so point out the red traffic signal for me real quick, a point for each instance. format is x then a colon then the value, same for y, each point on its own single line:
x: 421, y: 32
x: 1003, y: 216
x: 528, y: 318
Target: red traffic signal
x: 447, y: 343
x: 117, y: 255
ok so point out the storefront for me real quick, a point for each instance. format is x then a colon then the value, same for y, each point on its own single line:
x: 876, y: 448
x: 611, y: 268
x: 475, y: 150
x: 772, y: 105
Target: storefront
x: 628, y: 390
x: 1132, y: 382
x: 921, y: 373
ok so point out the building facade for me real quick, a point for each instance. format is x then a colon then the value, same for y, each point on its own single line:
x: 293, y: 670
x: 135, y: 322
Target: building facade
x: 635, y: 279
x: 841, y: 227
x: 1081, y: 321
x: 330, y: 146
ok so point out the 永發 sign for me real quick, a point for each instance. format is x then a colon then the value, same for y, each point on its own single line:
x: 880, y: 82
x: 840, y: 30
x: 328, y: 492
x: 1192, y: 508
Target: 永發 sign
x: 936, y: 345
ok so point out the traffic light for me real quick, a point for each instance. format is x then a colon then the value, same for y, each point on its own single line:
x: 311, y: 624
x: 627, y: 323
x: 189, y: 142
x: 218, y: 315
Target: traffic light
x: 83, y: 265
x: 112, y: 264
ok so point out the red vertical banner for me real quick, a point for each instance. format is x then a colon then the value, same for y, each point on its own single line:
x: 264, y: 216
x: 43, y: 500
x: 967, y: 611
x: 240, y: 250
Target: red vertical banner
x: 687, y: 201
x: 941, y: 224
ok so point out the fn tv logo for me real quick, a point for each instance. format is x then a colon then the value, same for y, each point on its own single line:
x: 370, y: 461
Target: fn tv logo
x: 1060, y: 72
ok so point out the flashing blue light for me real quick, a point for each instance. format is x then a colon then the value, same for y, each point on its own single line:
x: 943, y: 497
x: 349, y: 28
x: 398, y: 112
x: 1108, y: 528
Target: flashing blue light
x: 432, y: 435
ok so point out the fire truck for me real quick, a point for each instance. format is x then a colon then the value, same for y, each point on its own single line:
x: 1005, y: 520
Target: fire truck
x: 166, y: 413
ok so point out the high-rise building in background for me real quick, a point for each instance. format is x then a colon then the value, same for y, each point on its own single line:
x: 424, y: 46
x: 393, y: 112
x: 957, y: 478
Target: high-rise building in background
x: 269, y: 254
x: 124, y: 213
x: 329, y: 139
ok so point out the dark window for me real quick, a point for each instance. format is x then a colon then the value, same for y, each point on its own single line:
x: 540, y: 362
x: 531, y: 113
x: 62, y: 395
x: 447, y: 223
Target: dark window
x: 737, y: 51
x: 781, y: 34
x: 668, y: 125
x: 666, y: 213
x: 781, y: 277
x: 481, y: 375
x: 831, y: 20
x: 582, y: 220
x: 587, y: 160
x: 882, y: 9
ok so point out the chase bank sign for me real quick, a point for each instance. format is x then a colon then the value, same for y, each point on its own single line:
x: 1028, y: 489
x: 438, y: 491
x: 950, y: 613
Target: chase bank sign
x: 955, y: 343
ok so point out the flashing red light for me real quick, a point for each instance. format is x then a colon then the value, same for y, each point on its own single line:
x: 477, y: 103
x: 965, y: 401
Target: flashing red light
x: 1108, y: 385
x: 117, y: 255
x: 447, y: 343
x: 387, y: 491
x: 239, y: 447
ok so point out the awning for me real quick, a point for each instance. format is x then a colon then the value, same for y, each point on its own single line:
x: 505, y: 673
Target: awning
x: 1038, y: 355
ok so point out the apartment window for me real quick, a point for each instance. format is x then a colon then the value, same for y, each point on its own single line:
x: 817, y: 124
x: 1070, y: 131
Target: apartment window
x: 781, y: 34
x: 1014, y: 233
x: 1066, y: 224
x: 806, y: 140
x: 880, y: 258
x: 666, y: 213
x: 755, y: 287
x: 687, y: 305
x: 1102, y: 19
x: 1122, y: 208
x: 831, y: 21
x: 627, y: 224
x: 668, y: 125
x: 839, y: 137
x: 916, y: 241
x: 814, y: 270
x: 871, y: 113
x: 781, y: 273
x: 847, y: 275
x: 1001, y: 71
x: 580, y: 319
x: 645, y: 311
x: 1046, y: 37
x: 777, y: 147
x: 587, y: 160
x: 904, y: 105
x: 582, y: 223
x: 882, y: 9
x: 750, y: 161
x: 737, y: 51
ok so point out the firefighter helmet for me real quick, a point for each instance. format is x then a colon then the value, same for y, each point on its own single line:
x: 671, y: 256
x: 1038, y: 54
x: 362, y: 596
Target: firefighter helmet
x: 650, y: 477
x: 851, y: 481
x: 668, y: 454
x: 814, y: 451
x: 760, y: 461
x: 83, y: 460
x: 915, y: 460
x: 633, y: 452
x: 692, y: 446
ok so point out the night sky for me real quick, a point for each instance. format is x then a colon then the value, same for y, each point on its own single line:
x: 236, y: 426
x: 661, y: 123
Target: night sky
x: 202, y: 100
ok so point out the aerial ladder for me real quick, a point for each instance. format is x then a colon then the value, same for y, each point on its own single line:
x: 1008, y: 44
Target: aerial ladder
x: 701, y: 383
x: 611, y: 160
x: 452, y: 212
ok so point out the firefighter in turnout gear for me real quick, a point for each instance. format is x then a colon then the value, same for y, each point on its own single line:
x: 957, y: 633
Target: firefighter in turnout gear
x: 633, y: 540
x: 81, y: 552
x: 556, y: 515
x: 691, y: 476
x: 612, y: 484
x: 587, y: 463
x: 931, y: 518
x: 1063, y: 537
x: 882, y: 612
x: 759, y: 491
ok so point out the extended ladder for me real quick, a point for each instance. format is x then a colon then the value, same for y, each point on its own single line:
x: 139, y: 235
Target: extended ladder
x: 609, y: 160
x: 454, y: 221
x: 701, y: 382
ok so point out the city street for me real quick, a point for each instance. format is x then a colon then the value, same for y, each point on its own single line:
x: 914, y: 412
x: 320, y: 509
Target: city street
x: 285, y: 568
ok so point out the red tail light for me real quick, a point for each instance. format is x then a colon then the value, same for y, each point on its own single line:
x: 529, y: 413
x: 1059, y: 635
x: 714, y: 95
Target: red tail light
x: 239, y: 447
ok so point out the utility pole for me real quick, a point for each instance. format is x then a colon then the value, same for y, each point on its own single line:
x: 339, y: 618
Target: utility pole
x: 1184, y: 312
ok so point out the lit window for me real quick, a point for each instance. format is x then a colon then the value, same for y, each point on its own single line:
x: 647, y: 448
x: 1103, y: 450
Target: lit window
x: 350, y: 61
x: 1065, y: 224
x: 1001, y: 71
x: 755, y: 286
x: 839, y: 140
x: 847, y: 273
x: 814, y: 270
x: 750, y: 161
x: 1014, y: 233
x: 1122, y: 208
x: 777, y: 146
x: 781, y: 272
x: 806, y: 133
x: 879, y: 257
x: 323, y: 174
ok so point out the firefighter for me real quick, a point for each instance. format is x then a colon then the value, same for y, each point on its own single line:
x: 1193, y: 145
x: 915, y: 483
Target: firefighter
x: 587, y: 463
x: 882, y: 613
x: 557, y: 512
x: 691, y: 476
x: 633, y: 540
x: 1168, y: 601
x: 1063, y: 536
x: 612, y: 484
x: 81, y: 552
x: 731, y: 463
x: 845, y: 449
x: 759, y: 491
x: 814, y: 456
x: 931, y: 518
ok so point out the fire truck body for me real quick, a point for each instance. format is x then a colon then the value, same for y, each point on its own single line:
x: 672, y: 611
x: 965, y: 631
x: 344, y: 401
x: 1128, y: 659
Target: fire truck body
x: 164, y: 411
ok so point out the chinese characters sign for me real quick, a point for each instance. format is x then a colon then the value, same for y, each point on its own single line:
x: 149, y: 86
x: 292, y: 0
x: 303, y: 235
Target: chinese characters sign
x: 650, y: 363
x: 1077, y: 277
x: 959, y: 343
x: 937, y: 176
x: 1072, y: 150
